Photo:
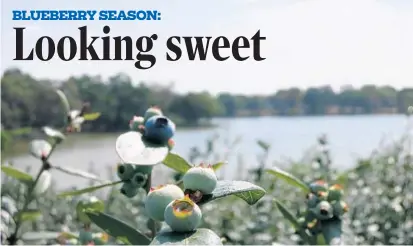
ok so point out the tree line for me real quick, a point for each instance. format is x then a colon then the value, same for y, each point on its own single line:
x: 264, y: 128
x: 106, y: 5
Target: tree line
x: 30, y: 102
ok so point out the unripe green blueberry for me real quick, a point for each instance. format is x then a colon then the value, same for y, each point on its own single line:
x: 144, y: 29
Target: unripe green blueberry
x: 339, y: 208
x: 159, y: 197
x: 312, y: 200
x: 125, y: 171
x: 143, y: 169
x: 129, y: 190
x: 200, y: 178
x: 139, y: 180
x: 85, y: 237
x: 152, y: 111
x: 318, y: 186
x: 135, y: 122
x: 324, y: 210
x: 183, y: 215
x: 335, y: 192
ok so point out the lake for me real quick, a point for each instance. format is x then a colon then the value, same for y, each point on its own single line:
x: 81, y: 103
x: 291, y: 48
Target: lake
x: 350, y: 137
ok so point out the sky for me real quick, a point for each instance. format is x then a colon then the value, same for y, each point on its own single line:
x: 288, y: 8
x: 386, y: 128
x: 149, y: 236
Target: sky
x: 308, y: 42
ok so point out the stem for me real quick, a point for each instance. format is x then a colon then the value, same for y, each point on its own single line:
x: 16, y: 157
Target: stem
x: 29, y: 198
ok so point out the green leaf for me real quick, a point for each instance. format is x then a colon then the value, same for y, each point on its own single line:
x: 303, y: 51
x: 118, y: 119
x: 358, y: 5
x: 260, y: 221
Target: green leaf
x: 265, y: 146
x: 64, y: 101
x: 53, y: 133
x: 91, y: 116
x: 176, y: 162
x: 291, y: 218
x: 199, y: 237
x: 88, y: 204
x: 17, y: 174
x: 118, y: 229
x: 87, y: 190
x: 218, y: 165
x: 331, y: 230
x: 287, y: 214
x: 132, y: 148
x: 247, y: 191
x: 69, y: 235
x: 289, y: 178
x: 28, y: 215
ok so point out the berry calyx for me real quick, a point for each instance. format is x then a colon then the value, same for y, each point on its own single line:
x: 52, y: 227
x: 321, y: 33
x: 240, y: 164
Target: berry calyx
x: 200, y: 178
x: 183, y: 215
x: 159, y: 197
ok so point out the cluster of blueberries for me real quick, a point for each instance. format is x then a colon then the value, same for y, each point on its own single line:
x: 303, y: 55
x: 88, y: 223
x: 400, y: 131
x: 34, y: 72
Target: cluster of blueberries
x: 169, y: 203
x: 323, y: 203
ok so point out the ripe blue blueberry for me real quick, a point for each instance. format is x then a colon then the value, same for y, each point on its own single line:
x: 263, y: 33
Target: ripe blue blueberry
x: 159, y: 129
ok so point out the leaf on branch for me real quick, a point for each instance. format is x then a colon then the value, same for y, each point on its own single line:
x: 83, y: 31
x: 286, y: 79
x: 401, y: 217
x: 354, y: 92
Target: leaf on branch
x: 91, y: 116
x: 176, y: 162
x: 28, y: 215
x: 247, y: 191
x: 118, y: 229
x: 64, y: 101
x: 17, y: 174
x: 218, y: 165
x: 87, y: 190
x: 289, y: 178
x: 293, y: 220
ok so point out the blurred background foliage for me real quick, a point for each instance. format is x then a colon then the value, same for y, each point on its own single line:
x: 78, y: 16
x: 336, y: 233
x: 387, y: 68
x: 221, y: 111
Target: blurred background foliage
x: 29, y: 102
x: 378, y: 191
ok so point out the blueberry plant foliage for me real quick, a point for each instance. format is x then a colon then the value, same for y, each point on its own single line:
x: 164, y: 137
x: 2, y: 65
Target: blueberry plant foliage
x: 13, y: 217
x: 174, y: 210
x: 325, y: 206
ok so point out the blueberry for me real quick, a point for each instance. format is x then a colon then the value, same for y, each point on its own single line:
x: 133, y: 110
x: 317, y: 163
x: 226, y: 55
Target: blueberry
x: 159, y: 129
x: 183, y: 215
x: 200, y: 178
x: 158, y: 198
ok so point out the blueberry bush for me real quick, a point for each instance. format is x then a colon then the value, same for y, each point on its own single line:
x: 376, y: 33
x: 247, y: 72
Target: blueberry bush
x: 299, y: 202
